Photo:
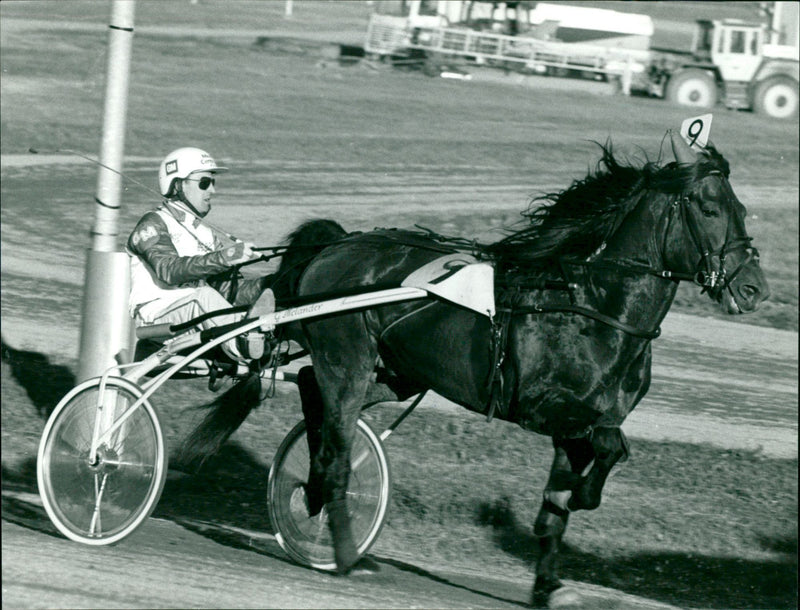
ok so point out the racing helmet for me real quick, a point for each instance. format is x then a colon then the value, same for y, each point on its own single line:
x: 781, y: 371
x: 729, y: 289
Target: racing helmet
x: 180, y: 163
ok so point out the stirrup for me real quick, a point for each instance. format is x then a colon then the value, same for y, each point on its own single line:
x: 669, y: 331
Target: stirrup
x: 265, y: 304
x: 251, y: 345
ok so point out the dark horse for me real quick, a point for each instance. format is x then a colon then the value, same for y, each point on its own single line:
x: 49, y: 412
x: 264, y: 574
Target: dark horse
x: 581, y: 293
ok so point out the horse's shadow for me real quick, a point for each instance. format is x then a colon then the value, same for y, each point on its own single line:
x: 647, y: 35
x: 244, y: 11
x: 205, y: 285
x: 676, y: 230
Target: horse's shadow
x: 44, y: 382
x: 225, y: 501
x: 230, y: 489
x: 671, y: 577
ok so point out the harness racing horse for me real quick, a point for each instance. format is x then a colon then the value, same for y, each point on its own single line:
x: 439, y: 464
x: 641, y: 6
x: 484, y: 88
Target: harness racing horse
x: 580, y: 293
x: 575, y: 359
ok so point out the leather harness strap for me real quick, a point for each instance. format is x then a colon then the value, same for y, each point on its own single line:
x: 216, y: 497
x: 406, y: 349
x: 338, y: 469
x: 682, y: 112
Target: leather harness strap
x: 590, y: 313
x: 499, y: 342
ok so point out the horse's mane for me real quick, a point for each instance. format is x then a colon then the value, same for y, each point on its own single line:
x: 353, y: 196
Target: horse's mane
x: 576, y: 221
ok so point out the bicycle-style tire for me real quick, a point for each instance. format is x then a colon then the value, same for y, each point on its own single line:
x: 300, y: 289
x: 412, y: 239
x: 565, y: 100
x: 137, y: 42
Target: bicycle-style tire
x: 307, y: 540
x: 101, y: 503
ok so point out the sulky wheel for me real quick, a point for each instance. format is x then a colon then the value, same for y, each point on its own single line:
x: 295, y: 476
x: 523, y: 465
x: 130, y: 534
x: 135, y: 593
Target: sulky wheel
x: 101, y: 501
x: 307, y: 540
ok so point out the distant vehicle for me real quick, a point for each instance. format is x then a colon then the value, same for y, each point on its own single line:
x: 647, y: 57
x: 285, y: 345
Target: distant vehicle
x: 541, y: 20
x: 739, y: 63
x: 543, y: 38
x: 746, y: 65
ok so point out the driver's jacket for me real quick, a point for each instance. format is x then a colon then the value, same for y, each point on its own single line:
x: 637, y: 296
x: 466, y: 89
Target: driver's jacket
x: 172, y: 254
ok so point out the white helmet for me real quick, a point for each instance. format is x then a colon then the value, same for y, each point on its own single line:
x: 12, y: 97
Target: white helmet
x: 181, y: 163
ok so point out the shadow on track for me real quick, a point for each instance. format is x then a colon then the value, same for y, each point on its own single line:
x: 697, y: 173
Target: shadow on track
x: 230, y: 489
x: 228, y: 494
x: 675, y: 578
x: 44, y: 382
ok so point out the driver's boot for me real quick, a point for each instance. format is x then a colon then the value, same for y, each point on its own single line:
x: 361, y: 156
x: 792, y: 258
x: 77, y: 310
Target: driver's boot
x: 265, y: 304
x: 252, y: 345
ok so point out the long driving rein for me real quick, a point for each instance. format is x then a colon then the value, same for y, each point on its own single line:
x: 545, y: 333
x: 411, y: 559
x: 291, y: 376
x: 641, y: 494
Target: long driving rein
x: 711, y: 279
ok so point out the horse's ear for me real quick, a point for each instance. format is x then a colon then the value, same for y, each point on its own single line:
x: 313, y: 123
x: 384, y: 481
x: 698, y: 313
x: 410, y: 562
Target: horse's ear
x: 683, y: 154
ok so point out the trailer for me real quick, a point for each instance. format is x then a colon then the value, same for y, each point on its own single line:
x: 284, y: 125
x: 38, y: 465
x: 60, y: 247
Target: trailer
x: 423, y: 38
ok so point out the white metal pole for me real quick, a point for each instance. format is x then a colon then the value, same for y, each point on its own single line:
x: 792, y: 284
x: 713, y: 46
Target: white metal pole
x: 288, y: 8
x: 105, y: 326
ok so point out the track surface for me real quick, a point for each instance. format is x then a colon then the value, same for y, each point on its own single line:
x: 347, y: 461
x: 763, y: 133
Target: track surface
x: 188, y: 563
x: 198, y: 565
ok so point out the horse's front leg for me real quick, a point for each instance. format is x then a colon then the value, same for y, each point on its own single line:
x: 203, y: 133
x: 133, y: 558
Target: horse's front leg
x: 608, y: 442
x: 571, y: 458
x: 609, y: 446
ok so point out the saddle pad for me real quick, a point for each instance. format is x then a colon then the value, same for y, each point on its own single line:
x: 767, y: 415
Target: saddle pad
x: 457, y: 278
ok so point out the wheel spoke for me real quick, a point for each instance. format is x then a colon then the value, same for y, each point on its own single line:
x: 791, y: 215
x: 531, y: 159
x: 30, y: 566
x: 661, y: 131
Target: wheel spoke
x: 359, y: 460
x: 95, y: 527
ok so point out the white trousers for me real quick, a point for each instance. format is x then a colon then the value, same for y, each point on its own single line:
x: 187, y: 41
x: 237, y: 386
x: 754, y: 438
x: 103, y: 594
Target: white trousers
x: 196, y: 302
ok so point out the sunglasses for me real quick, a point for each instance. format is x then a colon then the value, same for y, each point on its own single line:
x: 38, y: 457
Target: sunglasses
x: 204, y: 182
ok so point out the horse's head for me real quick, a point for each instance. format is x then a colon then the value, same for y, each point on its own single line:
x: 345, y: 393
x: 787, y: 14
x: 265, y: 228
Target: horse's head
x: 707, y: 236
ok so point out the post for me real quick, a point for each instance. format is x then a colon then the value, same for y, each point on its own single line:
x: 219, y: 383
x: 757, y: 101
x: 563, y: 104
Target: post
x: 105, y: 324
x: 288, y: 9
x: 627, y: 77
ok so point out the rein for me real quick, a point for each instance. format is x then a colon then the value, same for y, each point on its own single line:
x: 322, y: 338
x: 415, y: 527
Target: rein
x: 588, y: 313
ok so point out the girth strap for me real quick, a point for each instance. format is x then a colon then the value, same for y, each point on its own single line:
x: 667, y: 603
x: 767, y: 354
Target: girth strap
x: 499, y: 340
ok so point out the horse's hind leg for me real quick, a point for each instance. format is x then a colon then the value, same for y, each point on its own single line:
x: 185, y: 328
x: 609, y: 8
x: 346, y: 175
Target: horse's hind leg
x: 571, y: 457
x: 311, y: 399
x: 344, y: 359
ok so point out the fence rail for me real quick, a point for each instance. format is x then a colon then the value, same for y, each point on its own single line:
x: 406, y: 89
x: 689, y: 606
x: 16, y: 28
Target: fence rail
x: 389, y: 35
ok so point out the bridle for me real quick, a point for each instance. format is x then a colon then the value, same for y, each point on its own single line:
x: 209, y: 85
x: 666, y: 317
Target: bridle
x: 713, y: 280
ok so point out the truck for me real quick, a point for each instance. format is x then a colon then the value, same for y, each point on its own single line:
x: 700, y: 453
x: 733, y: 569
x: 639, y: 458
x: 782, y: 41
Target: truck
x: 745, y: 65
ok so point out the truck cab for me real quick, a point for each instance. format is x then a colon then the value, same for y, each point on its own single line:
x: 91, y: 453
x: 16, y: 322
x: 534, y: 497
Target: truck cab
x: 733, y: 46
x: 735, y: 61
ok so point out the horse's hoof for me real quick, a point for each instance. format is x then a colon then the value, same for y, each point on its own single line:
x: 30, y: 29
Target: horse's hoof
x: 363, y: 567
x: 542, y: 589
x: 564, y: 597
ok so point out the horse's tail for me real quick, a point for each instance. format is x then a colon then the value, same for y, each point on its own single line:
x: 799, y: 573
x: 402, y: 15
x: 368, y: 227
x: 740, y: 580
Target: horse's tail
x: 303, y: 244
x: 226, y: 413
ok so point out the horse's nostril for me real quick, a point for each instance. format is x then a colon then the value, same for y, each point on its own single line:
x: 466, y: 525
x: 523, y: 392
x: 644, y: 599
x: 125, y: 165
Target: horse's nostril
x: 748, y: 291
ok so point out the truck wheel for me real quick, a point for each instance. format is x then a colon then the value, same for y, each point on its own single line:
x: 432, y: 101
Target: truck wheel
x: 777, y: 97
x: 692, y: 88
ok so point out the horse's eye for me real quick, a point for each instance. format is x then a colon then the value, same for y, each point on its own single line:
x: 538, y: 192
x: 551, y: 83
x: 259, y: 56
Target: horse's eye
x: 709, y: 213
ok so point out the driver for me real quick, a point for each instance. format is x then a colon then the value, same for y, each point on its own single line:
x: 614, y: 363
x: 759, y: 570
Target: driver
x: 181, y: 267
